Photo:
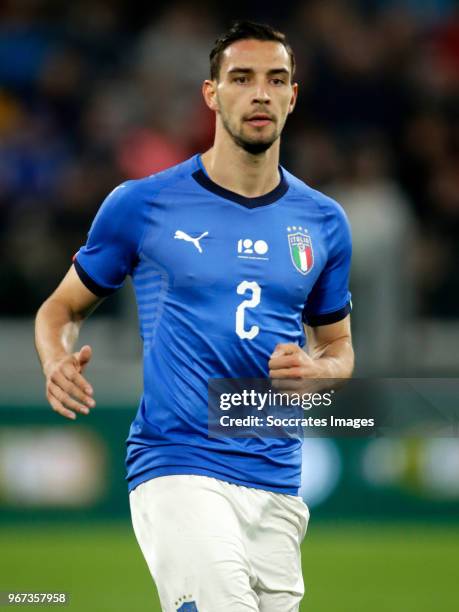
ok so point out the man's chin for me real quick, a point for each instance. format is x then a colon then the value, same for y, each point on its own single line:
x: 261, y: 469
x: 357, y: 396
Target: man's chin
x: 255, y: 147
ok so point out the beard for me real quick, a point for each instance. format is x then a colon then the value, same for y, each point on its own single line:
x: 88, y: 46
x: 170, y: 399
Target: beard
x: 254, y: 146
x: 251, y: 146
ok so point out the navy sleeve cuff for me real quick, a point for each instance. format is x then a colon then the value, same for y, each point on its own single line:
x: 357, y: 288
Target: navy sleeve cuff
x: 90, y: 283
x: 329, y: 318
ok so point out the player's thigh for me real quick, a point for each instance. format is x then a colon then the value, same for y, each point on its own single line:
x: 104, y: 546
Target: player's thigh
x: 276, y: 554
x: 191, y: 540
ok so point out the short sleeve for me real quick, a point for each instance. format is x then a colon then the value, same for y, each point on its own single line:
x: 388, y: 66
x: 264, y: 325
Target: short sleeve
x: 330, y: 299
x: 113, y: 243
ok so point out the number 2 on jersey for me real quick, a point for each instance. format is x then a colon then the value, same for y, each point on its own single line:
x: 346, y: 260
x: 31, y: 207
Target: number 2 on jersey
x: 242, y: 288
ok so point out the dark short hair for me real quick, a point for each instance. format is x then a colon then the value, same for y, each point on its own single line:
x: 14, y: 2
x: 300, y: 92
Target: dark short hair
x: 246, y: 30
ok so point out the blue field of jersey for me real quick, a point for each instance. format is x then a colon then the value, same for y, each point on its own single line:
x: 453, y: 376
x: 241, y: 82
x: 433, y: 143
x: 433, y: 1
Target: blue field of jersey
x: 220, y: 279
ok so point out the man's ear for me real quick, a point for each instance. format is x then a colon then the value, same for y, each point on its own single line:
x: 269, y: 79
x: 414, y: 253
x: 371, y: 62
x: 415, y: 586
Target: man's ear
x: 209, y: 93
x: 294, y: 97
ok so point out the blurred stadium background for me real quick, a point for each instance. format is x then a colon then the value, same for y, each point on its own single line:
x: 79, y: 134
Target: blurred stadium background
x: 93, y: 92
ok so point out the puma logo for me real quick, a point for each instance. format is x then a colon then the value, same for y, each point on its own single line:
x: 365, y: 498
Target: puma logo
x: 179, y: 235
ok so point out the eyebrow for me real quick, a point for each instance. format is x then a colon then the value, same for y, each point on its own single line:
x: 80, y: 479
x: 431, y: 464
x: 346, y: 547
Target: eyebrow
x: 250, y: 70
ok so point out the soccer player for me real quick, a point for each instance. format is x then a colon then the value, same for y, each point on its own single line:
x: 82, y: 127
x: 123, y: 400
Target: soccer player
x: 229, y: 255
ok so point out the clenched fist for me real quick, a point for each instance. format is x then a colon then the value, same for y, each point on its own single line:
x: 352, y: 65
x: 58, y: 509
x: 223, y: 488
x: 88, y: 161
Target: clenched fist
x: 293, y: 370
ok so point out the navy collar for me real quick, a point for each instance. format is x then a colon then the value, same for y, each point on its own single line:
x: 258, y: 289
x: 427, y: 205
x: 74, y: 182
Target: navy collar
x: 201, y: 177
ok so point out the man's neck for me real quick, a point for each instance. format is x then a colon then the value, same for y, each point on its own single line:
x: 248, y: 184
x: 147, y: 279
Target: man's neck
x: 249, y: 175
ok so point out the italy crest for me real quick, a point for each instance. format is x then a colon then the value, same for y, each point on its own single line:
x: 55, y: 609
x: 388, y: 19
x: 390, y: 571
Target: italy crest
x: 300, y: 249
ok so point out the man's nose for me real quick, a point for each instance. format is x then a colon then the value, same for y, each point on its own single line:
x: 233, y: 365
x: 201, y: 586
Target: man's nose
x: 261, y: 94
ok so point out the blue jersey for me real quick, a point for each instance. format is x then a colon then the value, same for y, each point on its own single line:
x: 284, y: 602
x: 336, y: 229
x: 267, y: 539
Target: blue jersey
x: 220, y: 279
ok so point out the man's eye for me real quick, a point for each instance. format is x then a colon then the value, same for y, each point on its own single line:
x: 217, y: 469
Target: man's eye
x: 241, y: 79
x: 278, y: 81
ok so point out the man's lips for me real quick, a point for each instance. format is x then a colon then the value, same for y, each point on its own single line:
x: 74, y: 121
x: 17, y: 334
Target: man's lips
x: 259, y: 119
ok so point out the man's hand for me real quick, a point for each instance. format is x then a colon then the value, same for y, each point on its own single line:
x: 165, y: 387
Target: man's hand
x: 67, y: 390
x: 291, y: 369
x: 289, y: 361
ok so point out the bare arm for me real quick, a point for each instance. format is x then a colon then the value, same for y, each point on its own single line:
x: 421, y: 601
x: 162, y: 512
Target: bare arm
x: 330, y: 346
x: 57, y: 326
x: 330, y: 355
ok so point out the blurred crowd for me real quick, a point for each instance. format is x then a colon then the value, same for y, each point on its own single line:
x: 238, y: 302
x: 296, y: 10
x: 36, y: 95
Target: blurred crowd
x: 94, y: 92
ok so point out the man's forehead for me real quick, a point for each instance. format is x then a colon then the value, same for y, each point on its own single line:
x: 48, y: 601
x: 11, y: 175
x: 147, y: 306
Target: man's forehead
x: 260, y: 54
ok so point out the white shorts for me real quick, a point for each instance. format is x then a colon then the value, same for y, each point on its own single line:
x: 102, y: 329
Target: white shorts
x: 212, y: 546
